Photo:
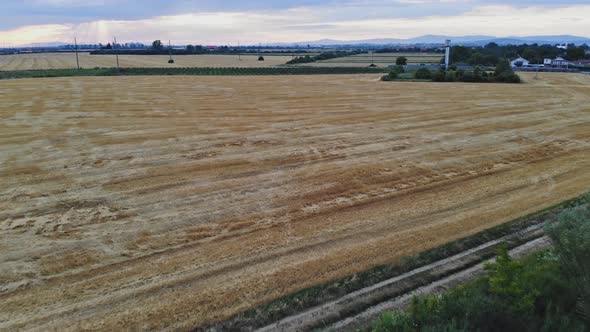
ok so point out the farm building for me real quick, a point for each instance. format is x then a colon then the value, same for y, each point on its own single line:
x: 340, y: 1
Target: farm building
x: 558, y: 62
x: 519, y: 62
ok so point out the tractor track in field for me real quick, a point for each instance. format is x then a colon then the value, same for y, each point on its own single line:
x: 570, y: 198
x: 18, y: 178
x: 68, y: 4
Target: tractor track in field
x: 178, y: 202
x: 356, y: 310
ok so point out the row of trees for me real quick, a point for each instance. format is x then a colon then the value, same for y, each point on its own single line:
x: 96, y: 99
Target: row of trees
x: 491, y: 54
x: 502, y: 74
x: 321, y: 56
x: 548, y: 291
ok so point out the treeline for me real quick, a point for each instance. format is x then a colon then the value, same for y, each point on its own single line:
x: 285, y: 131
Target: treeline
x: 158, y: 48
x: 492, y: 53
x: 502, y: 74
x: 322, y: 56
x: 196, y: 71
x: 548, y: 291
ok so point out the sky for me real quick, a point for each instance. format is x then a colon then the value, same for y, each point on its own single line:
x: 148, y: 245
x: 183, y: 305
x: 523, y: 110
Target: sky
x: 216, y: 22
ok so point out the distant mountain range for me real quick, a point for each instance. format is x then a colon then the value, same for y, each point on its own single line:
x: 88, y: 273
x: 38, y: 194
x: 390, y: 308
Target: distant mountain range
x: 456, y: 40
x: 426, y: 40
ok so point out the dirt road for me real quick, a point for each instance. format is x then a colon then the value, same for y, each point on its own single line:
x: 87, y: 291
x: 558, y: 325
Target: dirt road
x: 171, y: 202
x: 365, y: 318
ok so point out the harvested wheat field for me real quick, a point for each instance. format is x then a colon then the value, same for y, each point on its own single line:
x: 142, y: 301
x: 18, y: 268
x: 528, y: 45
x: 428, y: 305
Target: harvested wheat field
x: 68, y: 60
x: 172, y: 202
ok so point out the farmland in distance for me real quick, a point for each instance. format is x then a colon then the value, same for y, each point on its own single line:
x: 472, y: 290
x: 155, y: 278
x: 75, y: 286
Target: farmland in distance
x: 68, y: 60
x: 379, y: 59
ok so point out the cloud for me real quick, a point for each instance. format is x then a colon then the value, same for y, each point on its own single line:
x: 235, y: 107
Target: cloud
x: 312, y: 23
x: 69, y: 3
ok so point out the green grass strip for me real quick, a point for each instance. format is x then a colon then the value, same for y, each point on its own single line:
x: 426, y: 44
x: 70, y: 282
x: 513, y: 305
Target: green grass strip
x: 196, y: 71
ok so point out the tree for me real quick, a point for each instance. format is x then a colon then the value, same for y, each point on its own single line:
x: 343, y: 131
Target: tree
x: 491, y: 45
x: 575, y: 53
x: 460, y: 54
x: 401, y: 61
x: 190, y: 49
x: 502, y: 66
x: 157, y: 45
x: 109, y: 46
x: 571, y: 238
x: 504, y: 73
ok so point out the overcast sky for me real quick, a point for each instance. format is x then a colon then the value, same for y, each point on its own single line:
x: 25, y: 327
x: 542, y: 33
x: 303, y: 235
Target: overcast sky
x: 262, y: 21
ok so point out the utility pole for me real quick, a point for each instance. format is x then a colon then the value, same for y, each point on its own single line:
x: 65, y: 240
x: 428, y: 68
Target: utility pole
x: 170, y: 51
x: 116, y: 53
x: 239, y: 55
x: 77, y: 58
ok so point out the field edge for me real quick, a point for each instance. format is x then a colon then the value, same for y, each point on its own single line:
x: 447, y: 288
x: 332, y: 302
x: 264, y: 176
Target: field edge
x: 308, y: 298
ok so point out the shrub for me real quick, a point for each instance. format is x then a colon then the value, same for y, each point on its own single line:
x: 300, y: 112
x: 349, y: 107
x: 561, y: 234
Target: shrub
x: 451, y: 76
x: 571, y: 238
x: 401, y: 61
x: 400, y: 69
x: 470, y: 76
x: 423, y: 74
x: 547, y: 291
x: 391, y: 76
x: 504, y: 73
x: 502, y: 67
x: 439, y: 76
x: 261, y: 58
x: 507, y: 77
x: 393, y: 321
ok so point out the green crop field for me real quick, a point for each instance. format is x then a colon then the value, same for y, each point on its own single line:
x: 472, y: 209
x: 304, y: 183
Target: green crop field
x: 379, y: 59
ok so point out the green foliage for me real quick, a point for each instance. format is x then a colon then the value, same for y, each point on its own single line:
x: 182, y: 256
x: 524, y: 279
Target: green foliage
x: 511, y: 282
x: 393, y: 321
x: 322, y: 56
x: 575, y: 53
x: 492, y: 53
x: 401, y: 61
x: 439, y: 76
x: 548, y: 291
x: 400, y: 69
x: 504, y: 73
x: 301, y: 59
x: 502, y: 66
x: 507, y: 77
x: 451, y: 76
x: 423, y: 74
x: 198, y: 71
x: 571, y: 238
x: 391, y: 76
x: 477, y: 75
x: 157, y: 45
